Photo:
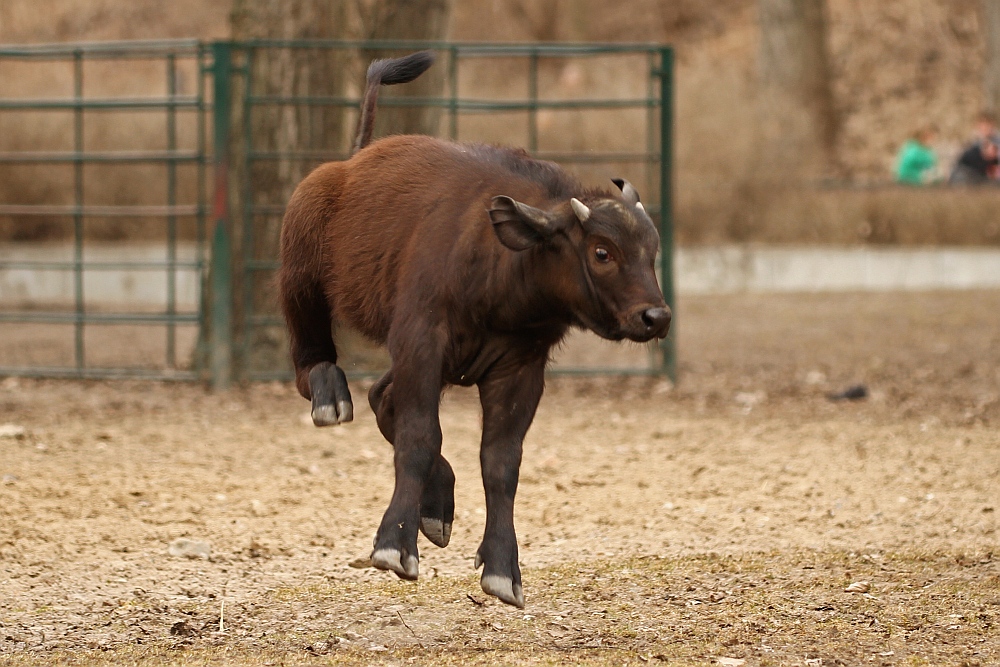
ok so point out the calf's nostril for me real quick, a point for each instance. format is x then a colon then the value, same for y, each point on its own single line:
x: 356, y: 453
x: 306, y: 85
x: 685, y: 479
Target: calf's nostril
x: 655, y: 317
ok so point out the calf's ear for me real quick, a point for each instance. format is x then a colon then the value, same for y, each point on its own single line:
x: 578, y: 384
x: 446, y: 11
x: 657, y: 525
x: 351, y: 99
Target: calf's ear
x: 517, y: 225
x: 629, y: 193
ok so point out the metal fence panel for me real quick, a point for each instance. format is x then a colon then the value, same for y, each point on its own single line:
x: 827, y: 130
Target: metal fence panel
x: 93, y: 266
x: 220, y: 297
x: 260, y: 349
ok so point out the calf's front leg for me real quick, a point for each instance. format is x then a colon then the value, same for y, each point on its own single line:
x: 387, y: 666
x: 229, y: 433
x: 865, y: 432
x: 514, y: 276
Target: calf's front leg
x: 509, y: 397
x: 416, y: 437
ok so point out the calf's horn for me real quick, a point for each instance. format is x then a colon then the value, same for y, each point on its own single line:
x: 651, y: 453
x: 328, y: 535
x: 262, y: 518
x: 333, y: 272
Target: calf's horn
x: 581, y: 210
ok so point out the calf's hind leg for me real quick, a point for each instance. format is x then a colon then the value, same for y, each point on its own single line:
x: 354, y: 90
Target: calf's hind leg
x: 437, y: 502
x: 331, y: 398
x: 314, y: 354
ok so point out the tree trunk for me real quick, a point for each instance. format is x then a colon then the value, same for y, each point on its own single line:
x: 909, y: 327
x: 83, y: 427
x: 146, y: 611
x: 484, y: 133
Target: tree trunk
x: 262, y: 183
x: 991, y: 68
x: 408, y: 20
x: 261, y: 186
x: 798, y: 120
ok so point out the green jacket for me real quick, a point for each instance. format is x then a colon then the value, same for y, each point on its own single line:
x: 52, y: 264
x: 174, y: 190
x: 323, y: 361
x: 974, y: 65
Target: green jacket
x: 914, y: 162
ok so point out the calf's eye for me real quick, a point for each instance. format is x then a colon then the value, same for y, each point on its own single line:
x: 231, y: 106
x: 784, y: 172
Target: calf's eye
x: 602, y: 254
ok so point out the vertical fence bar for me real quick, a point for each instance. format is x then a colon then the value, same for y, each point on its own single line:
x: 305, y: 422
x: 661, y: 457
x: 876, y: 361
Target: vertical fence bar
x: 669, y: 344
x: 222, y: 263
x: 171, y: 218
x: 453, y: 92
x: 533, y: 98
x: 201, y: 196
x: 78, y: 202
x: 651, y: 179
x: 247, y: 206
x: 651, y: 176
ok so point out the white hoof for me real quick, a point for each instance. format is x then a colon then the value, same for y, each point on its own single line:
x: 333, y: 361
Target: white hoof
x: 393, y: 561
x: 503, y: 588
x: 325, y: 415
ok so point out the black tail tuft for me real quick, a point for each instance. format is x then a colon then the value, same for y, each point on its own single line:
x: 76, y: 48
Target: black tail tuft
x: 387, y: 73
x: 399, y: 70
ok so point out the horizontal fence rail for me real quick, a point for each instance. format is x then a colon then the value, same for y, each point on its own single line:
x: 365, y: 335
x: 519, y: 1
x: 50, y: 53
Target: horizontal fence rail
x: 213, y: 163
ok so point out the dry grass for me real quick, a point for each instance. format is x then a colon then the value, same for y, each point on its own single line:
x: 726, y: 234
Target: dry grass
x: 765, y: 608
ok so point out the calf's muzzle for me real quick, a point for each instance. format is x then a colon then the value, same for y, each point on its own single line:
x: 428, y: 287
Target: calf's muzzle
x: 647, y: 322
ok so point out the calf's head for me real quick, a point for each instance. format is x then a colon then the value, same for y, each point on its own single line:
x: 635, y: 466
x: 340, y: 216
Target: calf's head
x: 602, y: 251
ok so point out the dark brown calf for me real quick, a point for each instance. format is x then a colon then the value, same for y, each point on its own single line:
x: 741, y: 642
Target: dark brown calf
x: 470, y: 262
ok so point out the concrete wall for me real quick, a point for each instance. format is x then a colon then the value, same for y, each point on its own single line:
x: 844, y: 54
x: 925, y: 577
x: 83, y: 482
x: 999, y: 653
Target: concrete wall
x: 146, y: 288
x: 726, y: 269
x: 711, y: 270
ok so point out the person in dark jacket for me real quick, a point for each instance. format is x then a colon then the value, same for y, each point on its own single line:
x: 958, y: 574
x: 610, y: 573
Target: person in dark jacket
x: 978, y: 163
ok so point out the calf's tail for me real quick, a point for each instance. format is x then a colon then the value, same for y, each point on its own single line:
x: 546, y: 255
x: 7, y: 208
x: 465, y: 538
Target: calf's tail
x: 387, y: 73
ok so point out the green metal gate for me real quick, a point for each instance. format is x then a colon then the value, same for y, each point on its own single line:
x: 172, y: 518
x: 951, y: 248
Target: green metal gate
x: 63, y: 109
x: 259, y: 352
x: 212, y: 103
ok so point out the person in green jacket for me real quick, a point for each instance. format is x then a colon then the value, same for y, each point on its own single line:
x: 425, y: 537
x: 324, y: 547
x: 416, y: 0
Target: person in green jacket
x: 916, y: 162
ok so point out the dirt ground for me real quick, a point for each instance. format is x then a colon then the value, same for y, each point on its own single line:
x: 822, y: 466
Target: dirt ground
x: 719, y: 522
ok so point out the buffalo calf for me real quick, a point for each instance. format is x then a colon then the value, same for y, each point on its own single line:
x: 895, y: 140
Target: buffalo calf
x: 469, y: 262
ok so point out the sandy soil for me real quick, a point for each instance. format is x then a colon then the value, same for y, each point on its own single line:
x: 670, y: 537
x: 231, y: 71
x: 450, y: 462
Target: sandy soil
x: 718, y: 521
